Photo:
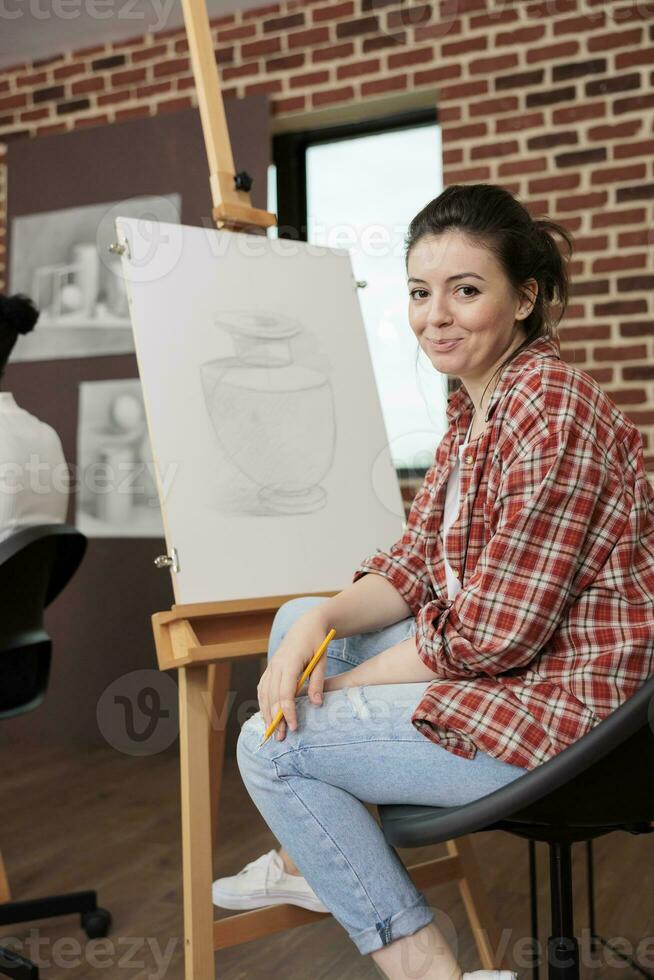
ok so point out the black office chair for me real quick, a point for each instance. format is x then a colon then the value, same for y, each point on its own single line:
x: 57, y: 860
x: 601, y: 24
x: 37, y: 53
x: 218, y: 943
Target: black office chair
x: 601, y: 783
x: 36, y: 563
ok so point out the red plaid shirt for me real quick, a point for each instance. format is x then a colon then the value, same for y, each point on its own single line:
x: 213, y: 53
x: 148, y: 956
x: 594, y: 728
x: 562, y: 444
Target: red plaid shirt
x: 553, y: 627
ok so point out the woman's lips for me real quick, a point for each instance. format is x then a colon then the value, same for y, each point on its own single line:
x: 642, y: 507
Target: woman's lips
x: 439, y: 345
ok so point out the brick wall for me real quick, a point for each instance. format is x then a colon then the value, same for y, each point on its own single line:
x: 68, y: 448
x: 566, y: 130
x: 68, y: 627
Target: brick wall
x: 553, y: 100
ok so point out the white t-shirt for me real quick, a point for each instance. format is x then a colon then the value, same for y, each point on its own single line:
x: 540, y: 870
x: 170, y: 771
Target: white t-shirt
x: 34, y: 478
x: 452, y: 504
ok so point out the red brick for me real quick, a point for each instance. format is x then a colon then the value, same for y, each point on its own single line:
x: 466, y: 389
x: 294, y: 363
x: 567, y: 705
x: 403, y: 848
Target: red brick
x: 454, y: 155
x: 638, y: 171
x: 236, y: 33
x: 333, y: 52
x: 333, y: 95
x: 33, y: 115
x: 13, y: 101
x: 469, y: 131
x: 434, y: 32
x: 580, y: 25
x: 519, y: 36
x: 136, y: 112
x: 283, y: 64
x: 304, y: 38
x: 394, y: 84
x: 466, y: 175
x: 561, y: 183
x: 113, y: 98
x: 610, y: 218
x: 270, y: 45
x: 357, y: 68
x: 488, y: 66
x: 437, y: 75
x: 88, y: 85
x: 89, y: 121
x: 582, y: 202
x: 252, y: 68
x: 173, y: 105
x: 175, y: 67
x: 629, y: 58
x: 263, y: 88
x: 332, y: 12
x: 146, y: 91
x: 296, y: 104
x: 309, y: 78
x: 150, y: 54
x: 613, y: 262
x: 506, y: 15
x: 635, y: 104
x: 463, y: 90
x: 35, y: 78
x: 494, y: 150
x: 619, y: 131
x: 66, y: 71
x: 128, y: 77
x: 644, y: 148
x: 51, y: 130
x: 413, y: 56
x: 514, y: 124
x: 463, y: 47
x: 573, y: 113
x: 552, y: 52
x: 510, y: 168
x: 607, y: 42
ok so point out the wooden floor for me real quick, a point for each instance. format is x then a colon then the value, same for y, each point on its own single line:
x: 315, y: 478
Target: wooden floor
x: 111, y: 822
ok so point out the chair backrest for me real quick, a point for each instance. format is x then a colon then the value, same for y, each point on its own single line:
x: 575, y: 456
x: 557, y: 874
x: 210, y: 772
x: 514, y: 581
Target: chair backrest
x: 36, y: 563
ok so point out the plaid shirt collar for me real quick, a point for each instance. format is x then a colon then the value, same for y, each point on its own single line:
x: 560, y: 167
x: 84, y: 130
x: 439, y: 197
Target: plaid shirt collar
x: 461, y: 401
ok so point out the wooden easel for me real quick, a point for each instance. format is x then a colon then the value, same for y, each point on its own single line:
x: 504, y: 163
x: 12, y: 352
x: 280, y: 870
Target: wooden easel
x: 202, y: 640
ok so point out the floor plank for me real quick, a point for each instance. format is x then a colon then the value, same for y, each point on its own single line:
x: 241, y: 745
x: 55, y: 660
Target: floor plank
x: 103, y: 820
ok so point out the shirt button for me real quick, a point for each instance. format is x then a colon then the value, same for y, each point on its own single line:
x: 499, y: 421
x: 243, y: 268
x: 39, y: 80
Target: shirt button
x: 456, y: 572
x: 469, y: 458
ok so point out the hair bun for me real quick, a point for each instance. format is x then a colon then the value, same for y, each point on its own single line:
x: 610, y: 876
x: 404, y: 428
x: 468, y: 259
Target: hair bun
x: 18, y: 313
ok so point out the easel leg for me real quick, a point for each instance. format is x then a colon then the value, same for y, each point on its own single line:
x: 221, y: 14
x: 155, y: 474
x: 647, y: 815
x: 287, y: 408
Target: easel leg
x: 194, y: 726
x: 5, y: 891
x: 475, y: 898
x: 219, y: 679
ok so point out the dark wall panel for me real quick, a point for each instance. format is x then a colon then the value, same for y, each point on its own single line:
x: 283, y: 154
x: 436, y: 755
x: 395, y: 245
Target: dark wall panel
x: 101, y: 624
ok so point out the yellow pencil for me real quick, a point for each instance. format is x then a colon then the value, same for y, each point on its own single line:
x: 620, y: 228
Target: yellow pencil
x: 307, y: 670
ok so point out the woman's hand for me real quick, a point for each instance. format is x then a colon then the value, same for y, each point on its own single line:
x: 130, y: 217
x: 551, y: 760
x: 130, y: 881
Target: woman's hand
x: 278, y: 683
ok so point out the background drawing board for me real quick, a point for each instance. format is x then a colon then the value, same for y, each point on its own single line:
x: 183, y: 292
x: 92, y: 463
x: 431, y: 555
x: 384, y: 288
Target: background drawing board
x: 265, y: 423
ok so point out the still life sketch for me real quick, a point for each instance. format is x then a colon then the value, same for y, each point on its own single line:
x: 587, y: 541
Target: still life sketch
x: 62, y: 260
x: 261, y: 401
x: 117, y: 491
x: 274, y: 419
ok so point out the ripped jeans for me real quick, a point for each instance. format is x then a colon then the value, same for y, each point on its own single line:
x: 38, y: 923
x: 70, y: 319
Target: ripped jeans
x: 359, y: 745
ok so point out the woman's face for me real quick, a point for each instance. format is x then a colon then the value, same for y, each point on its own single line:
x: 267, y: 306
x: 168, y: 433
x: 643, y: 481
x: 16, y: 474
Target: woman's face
x: 457, y: 290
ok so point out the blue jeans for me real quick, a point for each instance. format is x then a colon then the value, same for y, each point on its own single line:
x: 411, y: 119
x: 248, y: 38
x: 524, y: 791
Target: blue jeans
x: 358, y: 746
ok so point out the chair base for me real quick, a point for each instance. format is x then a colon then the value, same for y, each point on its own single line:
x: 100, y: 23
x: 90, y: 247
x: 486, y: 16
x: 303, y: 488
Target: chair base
x: 16, y: 967
x: 95, y: 922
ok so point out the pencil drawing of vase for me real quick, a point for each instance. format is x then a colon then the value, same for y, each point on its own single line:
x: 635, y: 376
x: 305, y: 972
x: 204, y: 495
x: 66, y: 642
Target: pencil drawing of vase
x: 274, y: 419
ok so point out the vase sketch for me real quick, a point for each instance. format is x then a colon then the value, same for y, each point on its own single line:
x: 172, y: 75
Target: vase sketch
x: 274, y: 419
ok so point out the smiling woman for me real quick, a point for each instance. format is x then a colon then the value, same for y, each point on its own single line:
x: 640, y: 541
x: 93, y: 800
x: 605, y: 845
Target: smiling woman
x: 515, y: 612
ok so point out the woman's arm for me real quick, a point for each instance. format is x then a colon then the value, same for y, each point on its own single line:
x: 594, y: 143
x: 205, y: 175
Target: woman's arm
x: 400, y: 664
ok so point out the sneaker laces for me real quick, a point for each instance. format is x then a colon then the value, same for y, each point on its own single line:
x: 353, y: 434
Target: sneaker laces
x: 275, y: 867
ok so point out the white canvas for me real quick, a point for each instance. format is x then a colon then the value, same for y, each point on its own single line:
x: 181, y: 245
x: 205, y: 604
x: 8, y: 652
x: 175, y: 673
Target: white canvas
x: 265, y: 422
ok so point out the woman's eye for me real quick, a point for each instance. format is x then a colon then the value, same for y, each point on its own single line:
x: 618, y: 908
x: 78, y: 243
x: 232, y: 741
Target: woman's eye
x: 474, y: 289
x: 413, y: 292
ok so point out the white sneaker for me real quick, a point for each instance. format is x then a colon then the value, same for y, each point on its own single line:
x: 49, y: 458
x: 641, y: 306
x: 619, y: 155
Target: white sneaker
x: 490, y: 975
x: 265, y: 882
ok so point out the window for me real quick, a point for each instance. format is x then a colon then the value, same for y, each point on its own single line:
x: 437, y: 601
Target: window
x: 357, y: 187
